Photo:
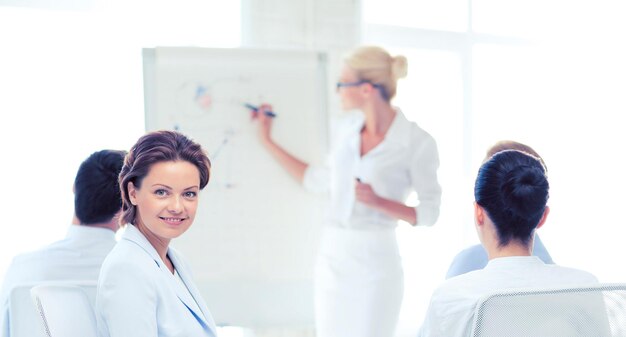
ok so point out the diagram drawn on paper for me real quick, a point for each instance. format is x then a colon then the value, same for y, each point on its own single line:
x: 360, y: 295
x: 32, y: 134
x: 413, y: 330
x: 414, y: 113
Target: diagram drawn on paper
x: 201, y: 97
x: 214, y: 112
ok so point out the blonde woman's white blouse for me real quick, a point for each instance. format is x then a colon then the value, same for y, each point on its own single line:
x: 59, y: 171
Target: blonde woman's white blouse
x: 406, y: 160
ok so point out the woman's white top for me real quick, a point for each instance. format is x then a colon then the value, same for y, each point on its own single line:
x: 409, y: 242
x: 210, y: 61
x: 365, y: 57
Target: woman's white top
x: 406, y: 160
x: 451, y: 309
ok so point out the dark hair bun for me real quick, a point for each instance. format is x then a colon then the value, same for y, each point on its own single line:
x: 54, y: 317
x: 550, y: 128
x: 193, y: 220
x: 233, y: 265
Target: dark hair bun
x: 513, y: 188
x: 524, y: 190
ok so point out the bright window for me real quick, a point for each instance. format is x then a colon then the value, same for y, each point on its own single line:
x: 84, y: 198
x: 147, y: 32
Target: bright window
x: 568, y: 105
x: 448, y: 15
x: 432, y: 96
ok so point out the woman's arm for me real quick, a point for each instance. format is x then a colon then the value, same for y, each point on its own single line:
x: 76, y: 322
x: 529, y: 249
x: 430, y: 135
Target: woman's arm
x: 423, y: 172
x: 365, y: 194
x: 290, y: 163
x: 424, y: 163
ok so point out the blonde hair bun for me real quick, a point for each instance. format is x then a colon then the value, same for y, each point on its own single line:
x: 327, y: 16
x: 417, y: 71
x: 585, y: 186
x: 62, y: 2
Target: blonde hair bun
x: 375, y: 65
x: 399, y: 67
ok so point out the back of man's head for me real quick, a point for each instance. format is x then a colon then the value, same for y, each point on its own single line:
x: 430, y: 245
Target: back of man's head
x: 97, y: 196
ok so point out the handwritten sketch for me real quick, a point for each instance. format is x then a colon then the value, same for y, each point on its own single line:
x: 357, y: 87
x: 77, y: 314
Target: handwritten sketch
x: 217, y: 106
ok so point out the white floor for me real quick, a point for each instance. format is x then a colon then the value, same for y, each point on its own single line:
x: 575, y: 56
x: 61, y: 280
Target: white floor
x: 241, y: 332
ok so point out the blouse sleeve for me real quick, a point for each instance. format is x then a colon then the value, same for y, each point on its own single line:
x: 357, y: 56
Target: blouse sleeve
x: 423, y: 171
x: 317, y: 179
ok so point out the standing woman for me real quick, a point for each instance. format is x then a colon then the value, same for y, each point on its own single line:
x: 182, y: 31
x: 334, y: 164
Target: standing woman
x: 376, y: 161
x: 145, y: 288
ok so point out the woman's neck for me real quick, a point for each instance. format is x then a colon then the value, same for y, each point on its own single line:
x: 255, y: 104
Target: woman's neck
x: 491, y: 242
x: 513, y: 248
x: 160, y: 244
x: 379, y: 115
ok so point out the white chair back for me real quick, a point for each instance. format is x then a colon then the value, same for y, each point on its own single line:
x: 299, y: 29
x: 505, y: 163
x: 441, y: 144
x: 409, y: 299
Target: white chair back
x: 66, y: 310
x: 568, y: 312
x: 23, y: 316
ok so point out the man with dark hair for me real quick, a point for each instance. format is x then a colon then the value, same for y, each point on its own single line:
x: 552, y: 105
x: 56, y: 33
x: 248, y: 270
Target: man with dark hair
x: 97, y: 207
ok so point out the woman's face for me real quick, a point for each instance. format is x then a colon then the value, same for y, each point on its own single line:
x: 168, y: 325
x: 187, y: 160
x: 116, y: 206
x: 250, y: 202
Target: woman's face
x: 351, y: 97
x: 167, y: 200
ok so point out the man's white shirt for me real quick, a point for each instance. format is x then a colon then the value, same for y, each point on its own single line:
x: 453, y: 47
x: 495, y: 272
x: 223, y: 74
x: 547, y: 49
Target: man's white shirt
x: 76, y: 257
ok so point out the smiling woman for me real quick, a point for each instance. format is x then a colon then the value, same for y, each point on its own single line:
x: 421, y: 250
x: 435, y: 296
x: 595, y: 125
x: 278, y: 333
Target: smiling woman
x: 145, y: 287
x: 166, y: 204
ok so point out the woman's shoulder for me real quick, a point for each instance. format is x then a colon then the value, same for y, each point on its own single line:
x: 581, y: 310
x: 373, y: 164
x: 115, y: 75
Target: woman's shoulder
x: 571, y: 275
x: 421, y: 143
x: 411, y: 130
x: 127, y: 256
x: 417, y: 133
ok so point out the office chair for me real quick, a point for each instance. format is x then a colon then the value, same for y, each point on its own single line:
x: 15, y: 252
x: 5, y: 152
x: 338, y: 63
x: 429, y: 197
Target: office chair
x: 23, y: 316
x: 598, y: 310
x: 65, y: 310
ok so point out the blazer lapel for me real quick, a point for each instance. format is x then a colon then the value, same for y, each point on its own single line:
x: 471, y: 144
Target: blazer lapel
x: 133, y: 234
x: 188, y: 293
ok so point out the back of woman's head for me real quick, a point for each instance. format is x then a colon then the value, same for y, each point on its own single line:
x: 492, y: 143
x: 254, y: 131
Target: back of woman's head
x: 512, y: 187
x: 152, y: 148
x: 376, y: 65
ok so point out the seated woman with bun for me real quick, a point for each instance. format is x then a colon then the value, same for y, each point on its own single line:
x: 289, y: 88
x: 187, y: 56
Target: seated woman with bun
x: 475, y: 257
x: 511, y: 194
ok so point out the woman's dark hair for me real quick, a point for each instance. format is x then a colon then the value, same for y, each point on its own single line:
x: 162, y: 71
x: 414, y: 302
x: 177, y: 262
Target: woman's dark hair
x: 152, y: 148
x: 512, y: 187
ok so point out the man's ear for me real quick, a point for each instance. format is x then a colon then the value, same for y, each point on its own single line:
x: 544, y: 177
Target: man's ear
x: 544, y: 217
x: 132, y: 193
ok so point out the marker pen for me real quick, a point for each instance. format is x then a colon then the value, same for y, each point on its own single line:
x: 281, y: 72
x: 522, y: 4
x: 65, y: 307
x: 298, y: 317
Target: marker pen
x: 255, y: 108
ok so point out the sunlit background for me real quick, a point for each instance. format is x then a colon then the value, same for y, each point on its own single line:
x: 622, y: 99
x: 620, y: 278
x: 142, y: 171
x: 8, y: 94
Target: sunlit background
x: 549, y: 73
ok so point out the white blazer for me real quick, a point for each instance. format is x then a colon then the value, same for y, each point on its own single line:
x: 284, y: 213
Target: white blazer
x: 138, y: 296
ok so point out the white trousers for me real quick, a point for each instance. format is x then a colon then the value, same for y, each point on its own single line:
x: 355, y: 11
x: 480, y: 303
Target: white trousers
x: 358, y: 283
